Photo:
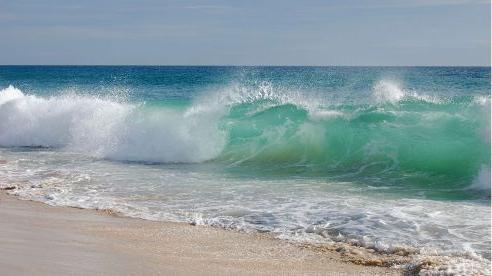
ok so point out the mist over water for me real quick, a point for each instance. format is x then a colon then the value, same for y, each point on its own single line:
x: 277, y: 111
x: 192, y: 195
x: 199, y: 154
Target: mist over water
x: 387, y: 156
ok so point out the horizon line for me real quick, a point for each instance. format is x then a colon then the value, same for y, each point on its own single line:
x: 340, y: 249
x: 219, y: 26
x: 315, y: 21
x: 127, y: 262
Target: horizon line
x: 241, y: 65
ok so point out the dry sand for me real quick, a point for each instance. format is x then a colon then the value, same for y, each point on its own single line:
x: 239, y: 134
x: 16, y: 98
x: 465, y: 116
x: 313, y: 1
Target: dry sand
x: 37, y: 239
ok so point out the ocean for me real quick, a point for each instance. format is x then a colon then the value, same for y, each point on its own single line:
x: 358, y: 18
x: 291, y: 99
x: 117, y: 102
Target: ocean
x: 381, y: 157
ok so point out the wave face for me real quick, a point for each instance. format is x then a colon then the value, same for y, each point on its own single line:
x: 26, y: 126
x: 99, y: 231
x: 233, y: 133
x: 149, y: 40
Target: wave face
x: 398, y: 133
x: 395, y: 137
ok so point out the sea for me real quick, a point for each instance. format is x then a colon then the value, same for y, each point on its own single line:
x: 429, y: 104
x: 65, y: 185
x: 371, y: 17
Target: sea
x: 381, y: 157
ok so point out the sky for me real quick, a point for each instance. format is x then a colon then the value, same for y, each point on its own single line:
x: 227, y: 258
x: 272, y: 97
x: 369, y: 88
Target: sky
x: 338, y: 32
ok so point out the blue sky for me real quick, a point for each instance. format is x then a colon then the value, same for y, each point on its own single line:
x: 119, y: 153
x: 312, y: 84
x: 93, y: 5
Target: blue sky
x: 378, y: 32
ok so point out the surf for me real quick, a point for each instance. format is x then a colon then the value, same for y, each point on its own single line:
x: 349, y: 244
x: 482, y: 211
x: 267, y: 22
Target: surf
x: 271, y: 130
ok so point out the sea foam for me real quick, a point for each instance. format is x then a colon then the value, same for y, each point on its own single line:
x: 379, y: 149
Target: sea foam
x: 387, y: 91
x: 105, y: 128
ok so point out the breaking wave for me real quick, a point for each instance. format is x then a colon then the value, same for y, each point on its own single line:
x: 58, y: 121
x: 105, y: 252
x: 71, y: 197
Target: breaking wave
x: 400, y: 133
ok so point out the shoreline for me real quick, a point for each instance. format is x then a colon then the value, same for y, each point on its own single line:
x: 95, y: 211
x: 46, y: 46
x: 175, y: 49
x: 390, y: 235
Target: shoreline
x: 41, y: 239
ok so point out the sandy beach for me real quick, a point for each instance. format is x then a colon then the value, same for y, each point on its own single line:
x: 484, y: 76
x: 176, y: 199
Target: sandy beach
x: 38, y: 239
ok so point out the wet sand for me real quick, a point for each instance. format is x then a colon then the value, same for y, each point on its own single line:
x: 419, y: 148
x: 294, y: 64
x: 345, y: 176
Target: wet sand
x: 37, y: 239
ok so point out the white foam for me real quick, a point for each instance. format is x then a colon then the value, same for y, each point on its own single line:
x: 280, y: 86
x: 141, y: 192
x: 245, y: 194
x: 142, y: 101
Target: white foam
x: 106, y: 128
x: 10, y: 93
x: 387, y: 91
x: 449, y: 235
x: 325, y: 114
x: 264, y: 92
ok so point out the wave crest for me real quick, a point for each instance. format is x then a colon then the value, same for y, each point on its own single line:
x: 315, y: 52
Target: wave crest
x: 104, y: 128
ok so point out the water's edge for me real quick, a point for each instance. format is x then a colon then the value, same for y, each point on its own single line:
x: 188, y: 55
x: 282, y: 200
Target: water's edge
x: 410, y: 262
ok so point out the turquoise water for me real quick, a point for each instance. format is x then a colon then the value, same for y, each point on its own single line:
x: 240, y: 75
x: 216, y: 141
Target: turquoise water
x: 394, y: 155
